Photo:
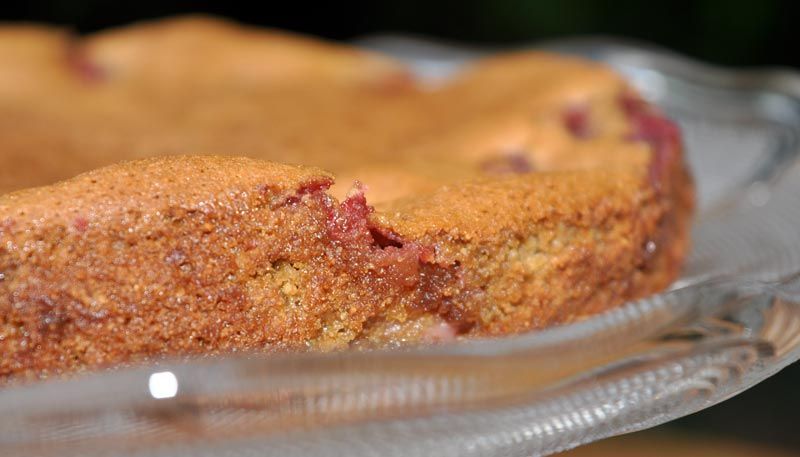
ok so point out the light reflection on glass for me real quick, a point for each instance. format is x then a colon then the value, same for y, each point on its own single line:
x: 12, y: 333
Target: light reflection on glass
x: 163, y: 384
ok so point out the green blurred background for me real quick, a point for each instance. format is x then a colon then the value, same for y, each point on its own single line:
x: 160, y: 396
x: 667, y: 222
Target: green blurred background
x: 733, y: 32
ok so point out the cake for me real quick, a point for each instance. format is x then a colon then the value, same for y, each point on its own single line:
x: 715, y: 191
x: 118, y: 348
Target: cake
x: 248, y: 190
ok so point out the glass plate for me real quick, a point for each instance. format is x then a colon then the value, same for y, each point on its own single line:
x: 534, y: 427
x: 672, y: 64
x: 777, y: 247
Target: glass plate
x: 732, y: 320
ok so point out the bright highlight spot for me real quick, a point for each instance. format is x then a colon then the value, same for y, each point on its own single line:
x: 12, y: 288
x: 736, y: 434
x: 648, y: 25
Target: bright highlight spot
x: 163, y: 384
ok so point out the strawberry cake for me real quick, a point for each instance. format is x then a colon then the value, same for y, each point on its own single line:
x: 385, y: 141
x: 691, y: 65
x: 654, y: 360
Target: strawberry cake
x: 194, y: 187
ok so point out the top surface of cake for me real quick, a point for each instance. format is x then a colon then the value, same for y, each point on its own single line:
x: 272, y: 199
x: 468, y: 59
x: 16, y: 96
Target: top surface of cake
x: 200, y: 86
x: 530, y: 189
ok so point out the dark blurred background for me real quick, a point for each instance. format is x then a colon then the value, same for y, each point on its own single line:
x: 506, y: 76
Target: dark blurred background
x: 730, y: 32
x: 727, y: 32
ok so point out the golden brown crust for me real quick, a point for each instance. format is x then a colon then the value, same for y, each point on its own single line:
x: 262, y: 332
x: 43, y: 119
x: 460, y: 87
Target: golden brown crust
x: 532, y: 189
x: 31, y: 56
x: 149, y: 184
x: 214, y: 54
